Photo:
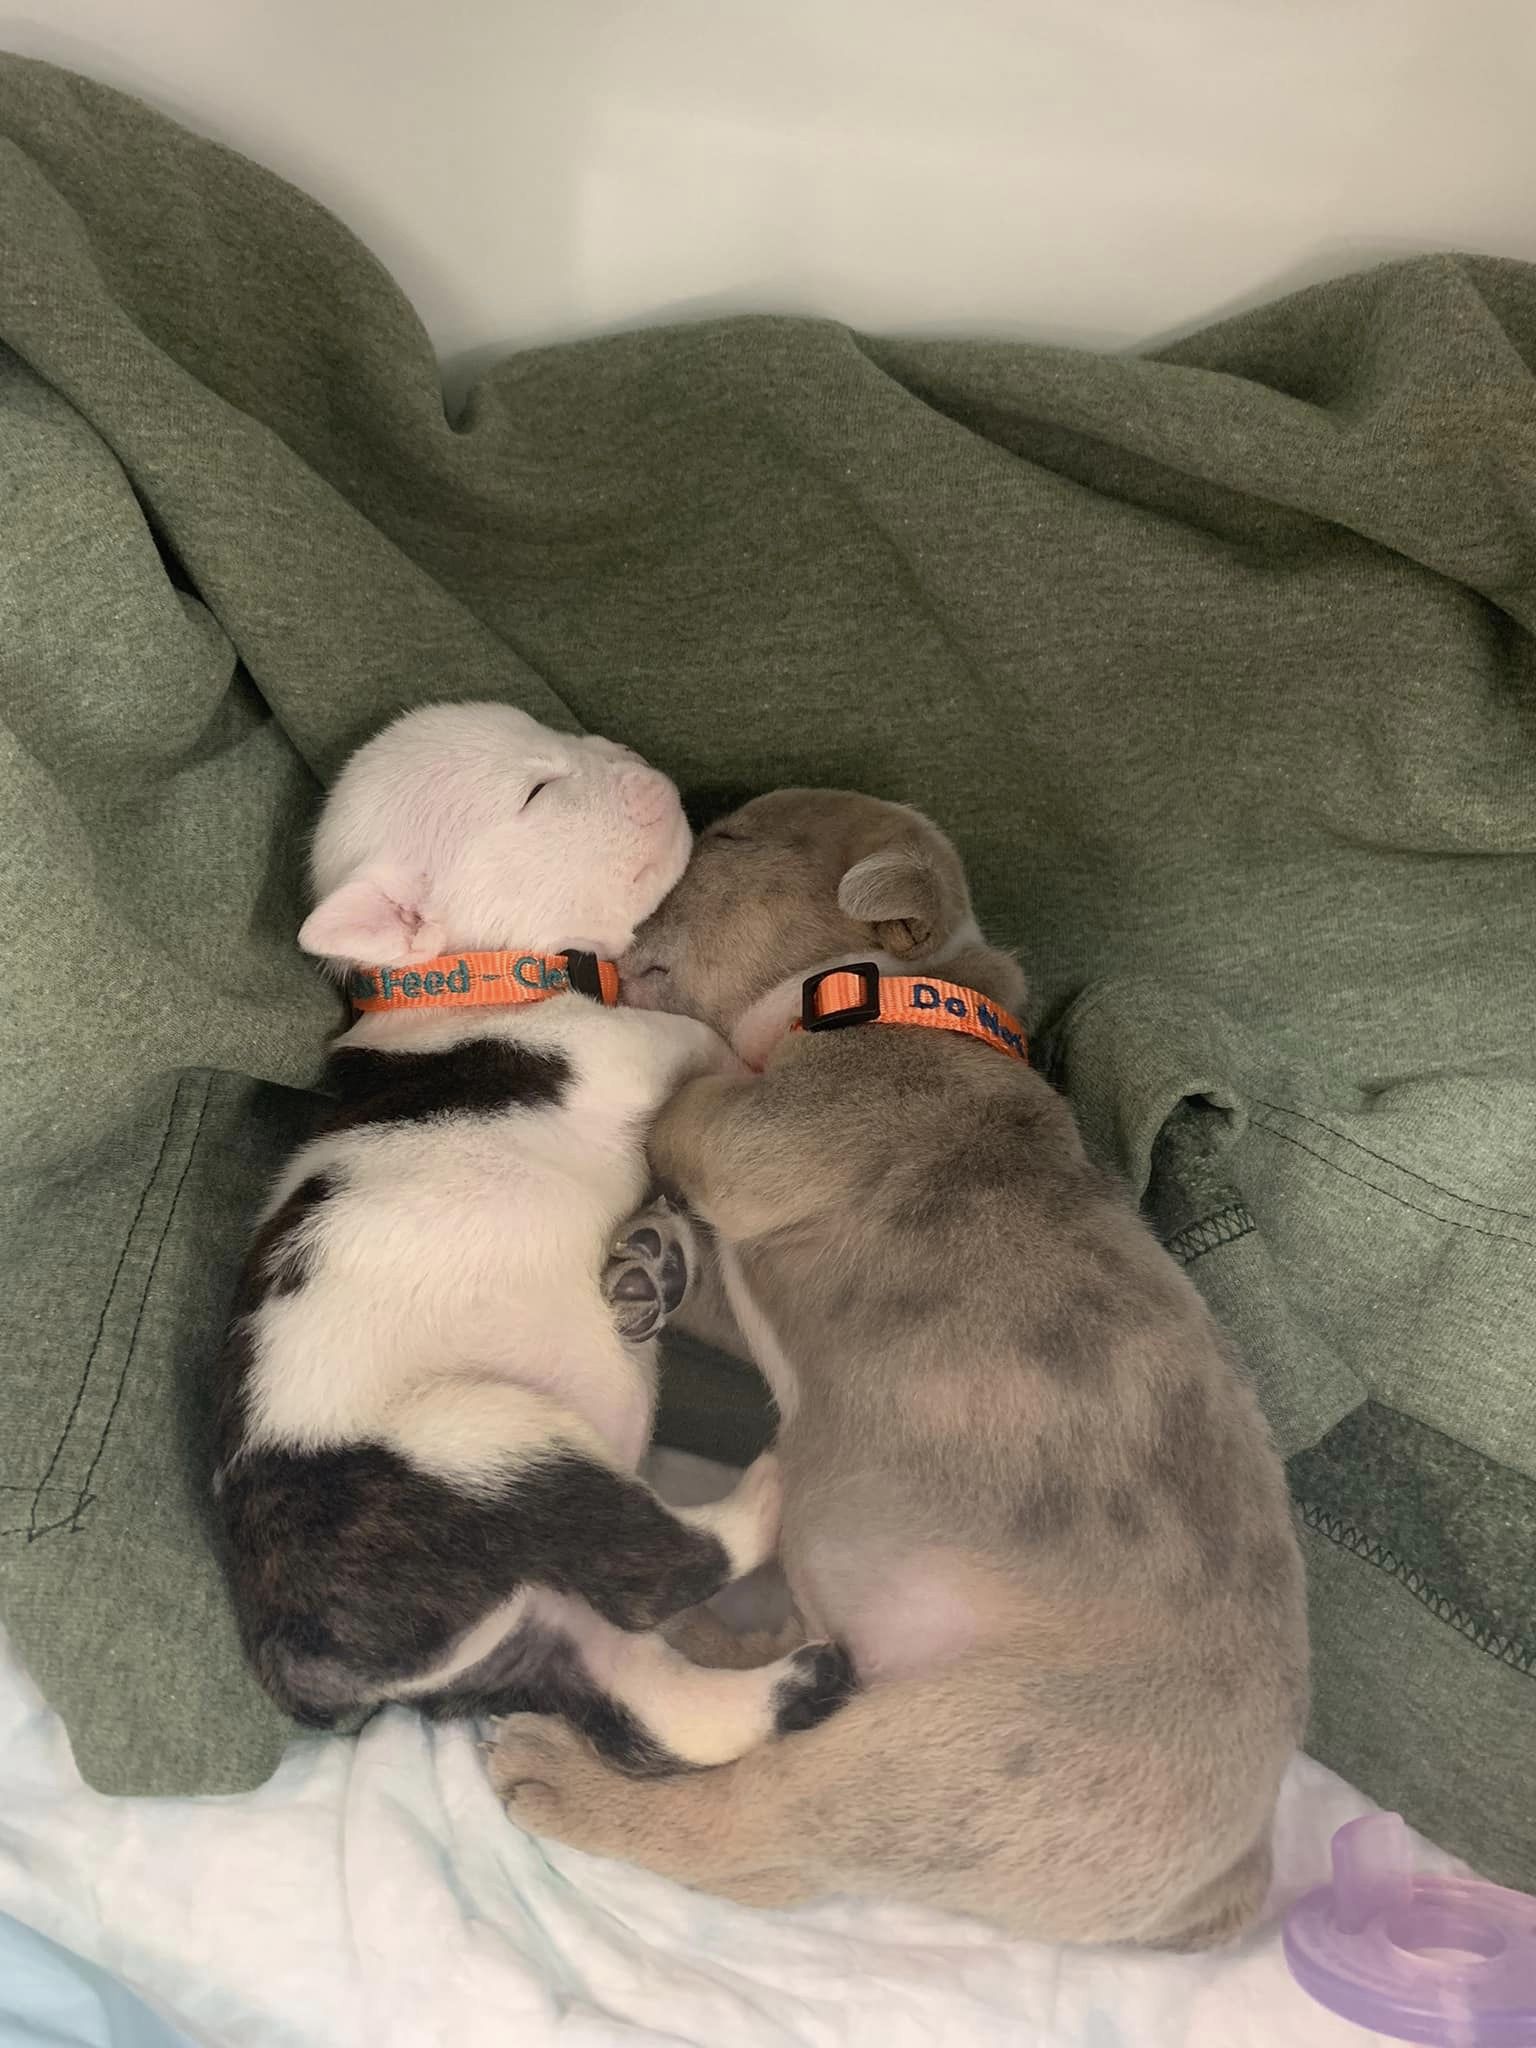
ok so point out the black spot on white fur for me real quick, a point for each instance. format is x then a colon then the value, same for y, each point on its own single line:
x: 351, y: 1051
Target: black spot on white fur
x: 279, y: 1262
x: 824, y: 1680
x: 354, y: 1572
x: 482, y: 1077
x: 282, y: 1251
x: 536, y: 1670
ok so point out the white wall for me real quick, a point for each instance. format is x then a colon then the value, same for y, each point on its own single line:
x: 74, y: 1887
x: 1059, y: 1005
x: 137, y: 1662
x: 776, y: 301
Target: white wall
x: 1090, y: 170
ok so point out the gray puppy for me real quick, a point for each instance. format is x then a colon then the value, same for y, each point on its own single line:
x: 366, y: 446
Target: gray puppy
x: 1024, y: 1481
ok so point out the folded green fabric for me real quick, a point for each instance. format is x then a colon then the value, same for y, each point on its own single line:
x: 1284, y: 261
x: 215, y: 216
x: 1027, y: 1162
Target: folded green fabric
x: 1218, y: 665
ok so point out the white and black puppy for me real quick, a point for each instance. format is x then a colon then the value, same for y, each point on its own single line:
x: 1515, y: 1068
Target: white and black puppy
x: 428, y: 1425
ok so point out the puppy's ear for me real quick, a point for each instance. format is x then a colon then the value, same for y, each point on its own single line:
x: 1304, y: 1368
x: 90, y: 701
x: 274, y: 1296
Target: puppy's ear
x: 372, y: 919
x: 900, y: 893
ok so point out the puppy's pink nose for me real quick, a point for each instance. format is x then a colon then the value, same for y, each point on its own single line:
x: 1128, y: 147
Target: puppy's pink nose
x: 645, y: 794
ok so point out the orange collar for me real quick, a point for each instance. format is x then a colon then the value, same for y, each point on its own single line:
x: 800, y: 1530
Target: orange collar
x: 462, y: 980
x: 863, y: 995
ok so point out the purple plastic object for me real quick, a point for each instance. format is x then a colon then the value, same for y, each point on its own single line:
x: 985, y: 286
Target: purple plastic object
x: 1448, y: 1960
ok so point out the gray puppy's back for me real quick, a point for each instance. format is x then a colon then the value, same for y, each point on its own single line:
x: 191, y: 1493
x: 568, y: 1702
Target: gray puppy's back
x: 965, y: 1263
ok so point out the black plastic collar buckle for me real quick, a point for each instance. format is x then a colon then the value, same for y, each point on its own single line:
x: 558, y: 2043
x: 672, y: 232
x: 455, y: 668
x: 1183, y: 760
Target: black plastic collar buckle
x: 581, y: 972
x: 865, y: 1011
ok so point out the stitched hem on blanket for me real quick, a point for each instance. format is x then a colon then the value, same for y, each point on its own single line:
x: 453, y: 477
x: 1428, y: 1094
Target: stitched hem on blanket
x: 1481, y: 1631
x: 1456, y: 1529
x: 55, y: 1502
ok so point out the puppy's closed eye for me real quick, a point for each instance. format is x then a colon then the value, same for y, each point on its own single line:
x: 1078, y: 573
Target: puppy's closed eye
x: 528, y: 799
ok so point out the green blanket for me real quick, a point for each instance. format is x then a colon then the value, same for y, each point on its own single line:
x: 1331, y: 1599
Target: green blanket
x: 1218, y: 664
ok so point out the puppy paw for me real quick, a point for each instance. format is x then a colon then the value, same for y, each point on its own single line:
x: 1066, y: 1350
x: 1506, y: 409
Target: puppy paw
x: 553, y: 1783
x: 531, y: 1758
x: 646, y: 1276
x: 821, y: 1680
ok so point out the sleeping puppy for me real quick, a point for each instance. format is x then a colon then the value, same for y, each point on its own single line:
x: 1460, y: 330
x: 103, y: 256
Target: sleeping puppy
x: 428, y: 1426
x: 1024, y: 1481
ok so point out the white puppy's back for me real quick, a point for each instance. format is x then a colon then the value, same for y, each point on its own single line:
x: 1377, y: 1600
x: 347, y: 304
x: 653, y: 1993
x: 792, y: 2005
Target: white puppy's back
x: 427, y: 1423
x: 473, y: 1244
